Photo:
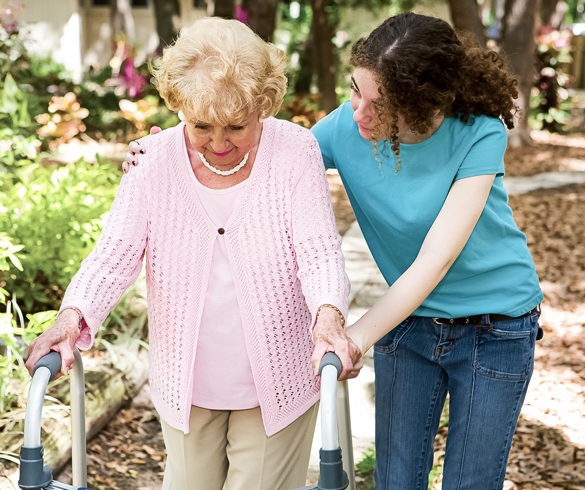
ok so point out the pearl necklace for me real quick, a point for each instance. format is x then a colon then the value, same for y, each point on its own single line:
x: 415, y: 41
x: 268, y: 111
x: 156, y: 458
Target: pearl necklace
x: 225, y: 173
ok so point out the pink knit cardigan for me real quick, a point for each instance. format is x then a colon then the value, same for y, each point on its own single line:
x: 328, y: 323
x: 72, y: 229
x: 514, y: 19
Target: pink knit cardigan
x: 284, y: 251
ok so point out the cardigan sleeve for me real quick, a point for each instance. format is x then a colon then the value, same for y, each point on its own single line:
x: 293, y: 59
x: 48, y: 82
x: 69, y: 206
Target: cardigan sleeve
x: 115, y: 262
x: 316, y: 240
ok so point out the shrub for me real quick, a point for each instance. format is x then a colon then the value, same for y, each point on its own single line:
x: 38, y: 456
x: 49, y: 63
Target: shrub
x: 17, y: 132
x: 56, y: 214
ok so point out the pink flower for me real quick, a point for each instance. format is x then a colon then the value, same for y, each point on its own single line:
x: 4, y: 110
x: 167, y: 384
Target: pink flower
x: 241, y: 14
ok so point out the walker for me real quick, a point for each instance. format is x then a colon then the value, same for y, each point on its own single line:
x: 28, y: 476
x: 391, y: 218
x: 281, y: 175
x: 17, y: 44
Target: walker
x: 35, y: 475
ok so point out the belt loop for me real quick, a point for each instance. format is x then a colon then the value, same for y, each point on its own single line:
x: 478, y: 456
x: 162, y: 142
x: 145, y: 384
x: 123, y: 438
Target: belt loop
x: 487, y: 322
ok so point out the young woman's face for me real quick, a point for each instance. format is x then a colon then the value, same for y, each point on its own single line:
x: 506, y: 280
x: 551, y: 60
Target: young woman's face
x: 224, y: 146
x: 364, y: 91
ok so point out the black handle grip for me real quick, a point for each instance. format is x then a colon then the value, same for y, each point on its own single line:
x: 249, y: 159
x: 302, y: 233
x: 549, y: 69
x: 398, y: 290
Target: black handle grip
x: 52, y: 361
x: 330, y: 359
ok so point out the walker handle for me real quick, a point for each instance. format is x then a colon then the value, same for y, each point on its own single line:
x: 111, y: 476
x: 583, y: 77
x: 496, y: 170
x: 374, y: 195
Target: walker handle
x: 34, y: 474
x: 52, y: 361
x: 330, y: 359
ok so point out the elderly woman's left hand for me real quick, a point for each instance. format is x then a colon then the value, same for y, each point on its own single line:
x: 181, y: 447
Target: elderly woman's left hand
x: 329, y: 335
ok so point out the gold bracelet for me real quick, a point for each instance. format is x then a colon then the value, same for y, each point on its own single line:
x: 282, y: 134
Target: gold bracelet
x: 335, y: 308
x: 79, y: 313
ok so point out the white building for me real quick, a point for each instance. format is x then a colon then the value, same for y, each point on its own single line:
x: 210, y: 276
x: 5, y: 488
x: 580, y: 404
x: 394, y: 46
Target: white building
x: 78, y: 33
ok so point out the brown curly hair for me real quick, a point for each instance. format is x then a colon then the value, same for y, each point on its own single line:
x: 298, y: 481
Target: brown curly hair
x: 422, y: 66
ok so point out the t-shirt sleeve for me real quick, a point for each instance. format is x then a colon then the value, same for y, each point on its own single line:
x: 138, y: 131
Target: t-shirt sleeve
x: 486, y: 155
x: 323, y: 131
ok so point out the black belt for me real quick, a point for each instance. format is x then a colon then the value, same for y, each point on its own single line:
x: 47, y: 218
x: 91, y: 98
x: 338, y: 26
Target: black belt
x: 477, y: 319
x: 491, y: 317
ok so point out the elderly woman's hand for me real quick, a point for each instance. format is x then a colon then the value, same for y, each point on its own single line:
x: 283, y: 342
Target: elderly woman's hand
x: 60, y: 337
x: 135, y: 149
x: 329, y: 335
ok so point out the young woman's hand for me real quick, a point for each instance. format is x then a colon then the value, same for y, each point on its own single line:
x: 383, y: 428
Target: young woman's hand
x: 60, y: 337
x: 329, y: 336
x: 135, y: 149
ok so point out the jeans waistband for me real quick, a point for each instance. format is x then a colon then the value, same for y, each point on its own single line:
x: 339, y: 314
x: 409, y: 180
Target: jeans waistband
x: 477, y: 319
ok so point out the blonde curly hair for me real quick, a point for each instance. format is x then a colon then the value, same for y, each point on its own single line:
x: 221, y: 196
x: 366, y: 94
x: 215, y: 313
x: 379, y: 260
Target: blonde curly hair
x: 220, y: 72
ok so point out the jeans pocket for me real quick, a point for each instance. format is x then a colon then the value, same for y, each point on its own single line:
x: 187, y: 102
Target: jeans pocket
x: 389, y: 342
x: 506, y: 351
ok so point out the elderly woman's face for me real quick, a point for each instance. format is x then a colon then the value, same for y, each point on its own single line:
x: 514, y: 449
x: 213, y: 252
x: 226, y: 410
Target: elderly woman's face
x: 224, y: 146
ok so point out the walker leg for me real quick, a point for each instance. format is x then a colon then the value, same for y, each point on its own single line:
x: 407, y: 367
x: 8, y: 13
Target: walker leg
x: 345, y: 437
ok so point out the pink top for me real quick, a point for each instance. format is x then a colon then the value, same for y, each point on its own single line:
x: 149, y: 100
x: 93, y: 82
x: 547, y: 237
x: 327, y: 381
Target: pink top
x: 284, y: 252
x: 222, y: 377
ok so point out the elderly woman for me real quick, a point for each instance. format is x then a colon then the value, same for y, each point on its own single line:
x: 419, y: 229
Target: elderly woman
x: 243, y: 264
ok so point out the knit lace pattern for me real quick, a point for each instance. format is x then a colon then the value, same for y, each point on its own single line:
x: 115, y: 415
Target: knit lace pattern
x: 283, y: 247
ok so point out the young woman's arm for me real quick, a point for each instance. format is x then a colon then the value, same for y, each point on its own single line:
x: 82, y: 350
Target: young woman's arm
x: 442, y: 245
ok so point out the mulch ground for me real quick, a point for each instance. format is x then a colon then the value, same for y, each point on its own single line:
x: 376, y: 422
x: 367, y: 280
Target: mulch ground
x: 549, y: 444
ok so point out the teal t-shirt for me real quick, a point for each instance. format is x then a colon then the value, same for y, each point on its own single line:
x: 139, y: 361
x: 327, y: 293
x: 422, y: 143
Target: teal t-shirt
x: 495, y: 272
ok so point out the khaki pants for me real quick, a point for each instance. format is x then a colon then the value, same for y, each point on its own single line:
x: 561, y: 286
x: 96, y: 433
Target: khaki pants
x: 229, y: 450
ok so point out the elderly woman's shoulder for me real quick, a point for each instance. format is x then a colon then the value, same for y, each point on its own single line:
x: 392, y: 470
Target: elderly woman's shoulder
x: 161, y: 146
x: 288, y: 129
x: 162, y: 137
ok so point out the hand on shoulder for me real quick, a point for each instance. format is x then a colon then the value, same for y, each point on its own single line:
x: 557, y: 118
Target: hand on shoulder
x: 135, y: 148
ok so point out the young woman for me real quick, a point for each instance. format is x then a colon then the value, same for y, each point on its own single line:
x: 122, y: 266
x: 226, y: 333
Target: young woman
x: 420, y: 149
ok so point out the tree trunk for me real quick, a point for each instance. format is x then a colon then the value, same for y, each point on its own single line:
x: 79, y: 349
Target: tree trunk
x: 167, y: 14
x: 261, y: 17
x: 465, y: 17
x: 518, y: 41
x: 306, y: 67
x: 121, y: 18
x: 221, y: 8
x: 324, y: 55
x: 552, y: 12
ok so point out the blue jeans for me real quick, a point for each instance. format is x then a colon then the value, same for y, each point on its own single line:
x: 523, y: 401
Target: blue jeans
x: 484, y: 369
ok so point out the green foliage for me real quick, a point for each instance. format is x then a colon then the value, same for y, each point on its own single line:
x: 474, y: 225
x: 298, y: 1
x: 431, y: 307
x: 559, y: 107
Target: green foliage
x: 13, y: 374
x: 17, y: 134
x: 550, y: 103
x: 56, y: 214
x: 301, y: 109
x: 365, y: 468
x: 51, y: 216
x: 9, y: 258
x: 575, y: 11
x: 38, y: 77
